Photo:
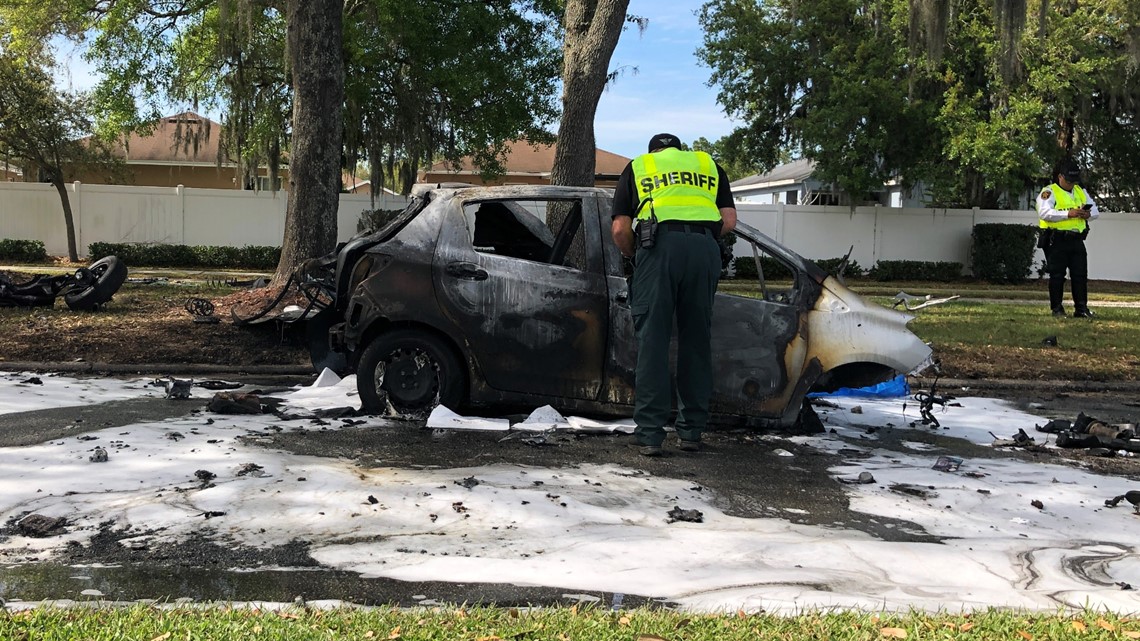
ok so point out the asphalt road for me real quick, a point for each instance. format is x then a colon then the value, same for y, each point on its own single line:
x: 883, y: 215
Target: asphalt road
x: 741, y: 468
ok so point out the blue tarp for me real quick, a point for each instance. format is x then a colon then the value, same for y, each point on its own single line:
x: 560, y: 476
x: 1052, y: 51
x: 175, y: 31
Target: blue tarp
x: 893, y: 388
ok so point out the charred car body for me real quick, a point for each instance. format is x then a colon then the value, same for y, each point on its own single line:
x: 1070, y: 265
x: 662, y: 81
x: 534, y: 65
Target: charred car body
x: 516, y: 297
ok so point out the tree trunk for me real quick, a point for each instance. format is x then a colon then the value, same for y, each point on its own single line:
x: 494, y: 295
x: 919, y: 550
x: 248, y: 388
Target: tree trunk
x: 592, y: 31
x: 68, y: 218
x: 315, y: 43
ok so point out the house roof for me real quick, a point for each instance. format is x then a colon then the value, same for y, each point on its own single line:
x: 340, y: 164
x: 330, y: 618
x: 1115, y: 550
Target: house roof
x: 524, y: 158
x: 182, y: 139
x: 796, y: 171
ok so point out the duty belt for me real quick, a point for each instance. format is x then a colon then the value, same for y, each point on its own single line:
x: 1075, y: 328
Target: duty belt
x: 692, y: 228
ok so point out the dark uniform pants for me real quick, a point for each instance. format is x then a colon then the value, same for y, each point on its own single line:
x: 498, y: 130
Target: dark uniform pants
x: 1067, y: 252
x: 677, y: 277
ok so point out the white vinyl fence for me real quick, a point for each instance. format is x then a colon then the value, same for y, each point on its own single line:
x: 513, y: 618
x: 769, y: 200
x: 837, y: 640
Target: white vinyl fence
x: 892, y: 233
x: 171, y: 215
x: 183, y: 216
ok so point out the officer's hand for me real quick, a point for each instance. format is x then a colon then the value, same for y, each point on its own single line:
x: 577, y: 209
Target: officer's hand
x: 1075, y: 213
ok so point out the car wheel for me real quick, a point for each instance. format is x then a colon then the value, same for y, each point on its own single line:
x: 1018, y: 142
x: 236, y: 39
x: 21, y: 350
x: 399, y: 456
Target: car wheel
x: 102, y: 279
x: 411, y: 369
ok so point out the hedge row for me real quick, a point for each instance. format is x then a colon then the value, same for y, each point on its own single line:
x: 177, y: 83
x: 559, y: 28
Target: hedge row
x: 745, y: 267
x: 138, y: 254
x: 23, y: 251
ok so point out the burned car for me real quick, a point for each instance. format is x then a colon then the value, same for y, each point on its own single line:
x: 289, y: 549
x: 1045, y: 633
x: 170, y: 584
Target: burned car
x: 516, y: 297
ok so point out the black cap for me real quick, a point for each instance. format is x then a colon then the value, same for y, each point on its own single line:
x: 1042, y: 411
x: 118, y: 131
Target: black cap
x: 660, y: 141
x: 1068, y: 168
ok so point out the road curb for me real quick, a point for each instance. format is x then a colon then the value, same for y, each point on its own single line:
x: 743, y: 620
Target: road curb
x: 1002, y: 384
x: 161, y: 369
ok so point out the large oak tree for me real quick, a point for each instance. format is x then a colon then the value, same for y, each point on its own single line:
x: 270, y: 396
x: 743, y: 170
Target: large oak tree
x: 974, y: 98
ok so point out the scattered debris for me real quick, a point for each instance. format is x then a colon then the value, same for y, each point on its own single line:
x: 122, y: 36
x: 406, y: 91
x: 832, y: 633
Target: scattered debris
x: 98, y: 456
x: 1093, y: 434
x: 1021, y: 439
x: 926, y: 403
x: 209, y: 514
x: 217, y: 385
x: 863, y: 479
x: 373, y: 500
x: 1132, y: 496
x: 468, y: 482
x: 688, y: 516
x: 856, y: 409
x: 40, y: 526
x: 34, y: 380
x: 922, y: 492
x: 1049, y: 341
x: 905, y: 299
x: 1037, y: 504
x: 205, y: 476
x: 201, y: 309
x: 229, y: 403
x: 177, y: 389
x: 782, y: 452
x: 250, y: 469
x: 947, y: 464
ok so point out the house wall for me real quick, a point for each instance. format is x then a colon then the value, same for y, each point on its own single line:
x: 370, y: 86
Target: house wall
x: 889, y: 233
x: 511, y: 179
x: 179, y: 215
x: 198, y: 177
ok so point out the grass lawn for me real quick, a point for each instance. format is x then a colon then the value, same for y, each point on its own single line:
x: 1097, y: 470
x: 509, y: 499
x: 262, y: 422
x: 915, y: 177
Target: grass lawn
x: 557, y: 624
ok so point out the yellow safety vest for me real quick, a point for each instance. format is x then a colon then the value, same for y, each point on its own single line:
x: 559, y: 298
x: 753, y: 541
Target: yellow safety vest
x: 1064, y: 202
x: 682, y: 184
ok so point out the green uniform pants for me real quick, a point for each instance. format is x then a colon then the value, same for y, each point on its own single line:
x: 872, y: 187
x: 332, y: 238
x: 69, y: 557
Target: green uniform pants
x: 677, y: 277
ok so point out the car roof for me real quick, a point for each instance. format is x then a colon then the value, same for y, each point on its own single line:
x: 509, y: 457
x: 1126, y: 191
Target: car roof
x: 437, y: 190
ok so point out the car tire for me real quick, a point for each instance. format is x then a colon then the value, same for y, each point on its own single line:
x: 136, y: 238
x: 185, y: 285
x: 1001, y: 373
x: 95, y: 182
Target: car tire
x: 411, y: 369
x: 108, y: 276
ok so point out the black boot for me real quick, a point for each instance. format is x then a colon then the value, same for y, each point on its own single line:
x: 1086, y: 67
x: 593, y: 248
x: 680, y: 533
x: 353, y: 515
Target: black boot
x: 1056, y: 295
x: 1081, y: 298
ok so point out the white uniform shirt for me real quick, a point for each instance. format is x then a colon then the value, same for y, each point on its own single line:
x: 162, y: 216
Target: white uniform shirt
x: 1046, y: 207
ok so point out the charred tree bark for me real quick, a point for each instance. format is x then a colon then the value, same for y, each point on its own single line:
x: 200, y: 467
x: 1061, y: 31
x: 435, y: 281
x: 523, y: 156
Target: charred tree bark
x: 592, y: 31
x: 315, y: 42
x: 68, y: 218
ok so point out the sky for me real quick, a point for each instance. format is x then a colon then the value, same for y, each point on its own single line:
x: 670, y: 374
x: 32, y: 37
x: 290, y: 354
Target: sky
x: 668, y: 93
x: 661, y: 87
x: 592, y: 527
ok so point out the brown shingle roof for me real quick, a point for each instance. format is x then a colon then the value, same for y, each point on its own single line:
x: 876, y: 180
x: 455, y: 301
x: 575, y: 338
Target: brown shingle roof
x: 525, y: 158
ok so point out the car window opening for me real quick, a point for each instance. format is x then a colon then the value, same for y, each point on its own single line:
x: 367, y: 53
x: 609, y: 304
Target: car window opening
x: 772, y: 272
x: 540, y: 231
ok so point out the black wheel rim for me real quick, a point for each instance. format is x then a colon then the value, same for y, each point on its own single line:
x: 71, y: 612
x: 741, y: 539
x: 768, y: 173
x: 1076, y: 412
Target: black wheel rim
x: 410, y: 377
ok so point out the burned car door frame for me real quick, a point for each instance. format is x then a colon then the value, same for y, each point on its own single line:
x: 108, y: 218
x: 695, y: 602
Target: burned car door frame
x: 527, y: 296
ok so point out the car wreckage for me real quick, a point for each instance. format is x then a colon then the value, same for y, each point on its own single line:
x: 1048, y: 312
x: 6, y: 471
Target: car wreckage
x: 85, y: 289
x: 516, y: 297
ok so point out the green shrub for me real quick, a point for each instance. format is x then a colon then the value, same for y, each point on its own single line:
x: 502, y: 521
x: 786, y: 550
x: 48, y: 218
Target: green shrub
x: 1003, y: 252
x: 23, y: 251
x: 745, y: 267
x: 916, y: 270
x: 208, y: 256
x: 831, y: 266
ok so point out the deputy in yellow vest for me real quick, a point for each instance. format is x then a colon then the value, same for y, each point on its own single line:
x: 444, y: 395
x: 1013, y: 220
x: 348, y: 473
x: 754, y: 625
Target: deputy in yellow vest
x: 1064, y: 210
x: 682, y: 203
